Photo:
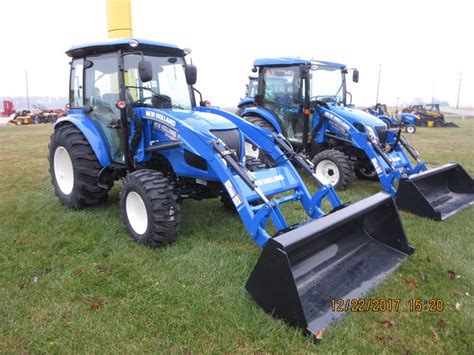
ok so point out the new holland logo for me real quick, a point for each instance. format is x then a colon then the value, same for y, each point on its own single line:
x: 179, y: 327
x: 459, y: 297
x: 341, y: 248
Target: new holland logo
x: 337, y: 120
x: 159, y: 117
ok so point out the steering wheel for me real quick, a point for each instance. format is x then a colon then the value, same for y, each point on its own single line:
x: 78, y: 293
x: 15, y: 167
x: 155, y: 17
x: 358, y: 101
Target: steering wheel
x: 324, y: 98
x: 141, y: 102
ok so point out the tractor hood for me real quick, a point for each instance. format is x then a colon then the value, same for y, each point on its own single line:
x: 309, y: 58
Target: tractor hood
x: 353, y: 116
x: 199, y: 121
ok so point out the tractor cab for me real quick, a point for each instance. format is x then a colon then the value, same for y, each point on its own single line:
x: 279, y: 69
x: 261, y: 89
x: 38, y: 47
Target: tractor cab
x: 433, y: 108
x: 292, y: 89
x: 381, y: 109
x: 109, y: 80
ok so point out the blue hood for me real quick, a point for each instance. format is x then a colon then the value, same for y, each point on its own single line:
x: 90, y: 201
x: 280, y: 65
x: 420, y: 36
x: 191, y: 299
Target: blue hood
x: 353, y: 115
x: 200, y: 121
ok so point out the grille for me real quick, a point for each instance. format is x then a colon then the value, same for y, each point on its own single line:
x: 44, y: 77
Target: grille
x: 382, y: 134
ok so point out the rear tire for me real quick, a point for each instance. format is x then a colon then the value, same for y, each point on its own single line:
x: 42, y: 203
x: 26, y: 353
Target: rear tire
x: 335, y: 168
x: 74, y: 168
x: 387, y: 123
x: 149, y: 208
x: 261, y: 122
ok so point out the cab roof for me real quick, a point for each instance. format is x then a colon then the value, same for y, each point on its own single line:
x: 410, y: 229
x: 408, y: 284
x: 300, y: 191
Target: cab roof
x: 286, y: 61
x: 145, y: 46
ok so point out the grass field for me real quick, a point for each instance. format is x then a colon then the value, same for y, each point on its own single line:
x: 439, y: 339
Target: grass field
x: 73, y: 281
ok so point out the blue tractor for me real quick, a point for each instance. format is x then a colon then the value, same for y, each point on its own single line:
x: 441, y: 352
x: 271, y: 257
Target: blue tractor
x: 133, y: 117
x: 311, y: 107
x: 405, y: 120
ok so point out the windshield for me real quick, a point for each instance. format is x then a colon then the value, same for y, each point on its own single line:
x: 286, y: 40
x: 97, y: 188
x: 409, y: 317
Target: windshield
x: 282, y: 85
x: 169, y: 80
x: 252, y: 87
x: 327, y: 84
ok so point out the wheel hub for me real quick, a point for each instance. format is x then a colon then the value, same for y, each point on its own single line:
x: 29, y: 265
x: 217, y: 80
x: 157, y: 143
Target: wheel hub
x: 136, y: 212
x: 327, y: 172
x: 63, y: 170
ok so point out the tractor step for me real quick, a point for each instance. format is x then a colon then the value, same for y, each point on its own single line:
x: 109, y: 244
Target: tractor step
x: 437, y: 193
x: 342, y: 255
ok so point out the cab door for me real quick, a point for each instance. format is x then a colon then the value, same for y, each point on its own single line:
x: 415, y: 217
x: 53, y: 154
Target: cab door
x: 101, y: 93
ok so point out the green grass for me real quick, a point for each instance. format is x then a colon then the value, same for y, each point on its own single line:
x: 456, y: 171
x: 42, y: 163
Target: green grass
x: 73, y: 281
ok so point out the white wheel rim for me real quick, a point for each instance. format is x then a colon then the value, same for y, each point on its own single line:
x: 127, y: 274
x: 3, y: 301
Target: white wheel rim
x: 136, y: 212
x: 251, y: 150
x: 410, y: 129
x: 63, y: 170
x: 327, y: 172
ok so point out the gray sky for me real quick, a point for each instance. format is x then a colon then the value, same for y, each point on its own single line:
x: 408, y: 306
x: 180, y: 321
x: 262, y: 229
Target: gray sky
x: 422, y: 45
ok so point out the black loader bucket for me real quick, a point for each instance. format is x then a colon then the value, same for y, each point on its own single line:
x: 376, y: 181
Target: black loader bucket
x: 437, y: 193
x: 450, y: 124
x: 339, y: 256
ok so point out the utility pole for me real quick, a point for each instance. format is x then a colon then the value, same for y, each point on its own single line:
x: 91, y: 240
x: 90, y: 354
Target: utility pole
x: 27, y: 94
x: 459, y: 91
x: 378, y: 85
x: 432, y: 96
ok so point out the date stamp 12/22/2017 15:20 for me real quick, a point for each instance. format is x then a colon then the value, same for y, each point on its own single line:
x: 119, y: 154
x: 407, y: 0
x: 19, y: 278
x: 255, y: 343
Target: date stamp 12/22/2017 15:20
x: 387, y: 305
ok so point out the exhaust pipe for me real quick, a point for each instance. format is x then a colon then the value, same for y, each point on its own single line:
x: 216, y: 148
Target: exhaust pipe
x: 340, y: 256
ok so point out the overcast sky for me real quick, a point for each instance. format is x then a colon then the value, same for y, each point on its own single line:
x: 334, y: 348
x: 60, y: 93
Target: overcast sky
x: 422, y: 45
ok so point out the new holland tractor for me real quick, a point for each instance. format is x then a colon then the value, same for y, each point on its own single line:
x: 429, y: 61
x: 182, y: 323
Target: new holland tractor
x: 133, y: 117
x: 310, y: 106
x: 402, y: 119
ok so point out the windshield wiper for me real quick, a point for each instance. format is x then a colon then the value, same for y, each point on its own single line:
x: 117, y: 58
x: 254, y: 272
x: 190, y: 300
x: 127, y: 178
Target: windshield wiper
x: 141, y: 87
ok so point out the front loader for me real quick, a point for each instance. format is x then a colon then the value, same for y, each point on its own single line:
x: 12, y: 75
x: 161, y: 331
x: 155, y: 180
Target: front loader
x: 133, y: 116
x: 309, y: 104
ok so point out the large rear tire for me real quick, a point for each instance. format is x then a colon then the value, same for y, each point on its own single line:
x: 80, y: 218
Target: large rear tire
x: 261, y: 122
x: 335, y: 168
x: 74, y: 168
x: 150, y: 210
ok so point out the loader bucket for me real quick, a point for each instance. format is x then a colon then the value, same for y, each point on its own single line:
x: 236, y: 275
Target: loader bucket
x: 450, y: 124
x: 437, y: 193
x: 339, y: 256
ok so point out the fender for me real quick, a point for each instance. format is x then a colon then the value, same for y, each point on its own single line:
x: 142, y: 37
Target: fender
x: 266, y: 115
x: 246, y: 101
x: 92, y: 134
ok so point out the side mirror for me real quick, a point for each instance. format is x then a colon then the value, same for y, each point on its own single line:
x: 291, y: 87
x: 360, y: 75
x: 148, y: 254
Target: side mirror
x: 355, y: 76
x: 191, y: 74
x: 145, y: 70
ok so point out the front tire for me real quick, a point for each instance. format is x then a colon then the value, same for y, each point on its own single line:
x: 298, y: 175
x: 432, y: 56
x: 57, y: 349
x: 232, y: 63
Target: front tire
x: 149, y: 208
x: 333, y: 167
x: 410, y: 129
x: 254, y: 151
x: 74, y: 168
x: 366, y: 173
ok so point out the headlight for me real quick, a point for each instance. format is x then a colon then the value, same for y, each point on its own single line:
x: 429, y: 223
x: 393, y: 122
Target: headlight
x: 371, y: 133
